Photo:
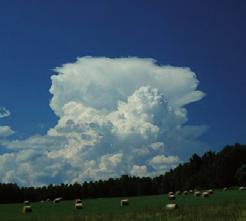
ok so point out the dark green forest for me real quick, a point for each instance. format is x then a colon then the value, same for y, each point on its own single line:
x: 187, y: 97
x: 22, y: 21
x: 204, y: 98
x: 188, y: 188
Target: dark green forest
x: 225, y: 168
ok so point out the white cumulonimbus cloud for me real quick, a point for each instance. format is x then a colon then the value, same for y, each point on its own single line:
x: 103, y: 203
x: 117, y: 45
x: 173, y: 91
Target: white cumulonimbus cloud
x: 116, y: 116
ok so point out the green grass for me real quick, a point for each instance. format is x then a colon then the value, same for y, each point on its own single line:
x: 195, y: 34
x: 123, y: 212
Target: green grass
x: 230, y: 205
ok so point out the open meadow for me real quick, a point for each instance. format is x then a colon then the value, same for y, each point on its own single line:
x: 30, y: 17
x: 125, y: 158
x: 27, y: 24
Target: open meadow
x: 222, y: 205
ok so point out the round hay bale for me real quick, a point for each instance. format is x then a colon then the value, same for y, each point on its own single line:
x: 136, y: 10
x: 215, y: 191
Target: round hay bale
x: 185, y: 192
x: 57, y: 200
x: 171, y: 206
x: 26, y: 202
x: 171, y: 197
x: 205, y: 194
x: 197, y: 193
x: 124, y: 202
x: 78, y: 205
x: 78, y: 201
x: 241, y: 188
x: 178, y: 192
x: 27, y: 209
x: 210, y: 191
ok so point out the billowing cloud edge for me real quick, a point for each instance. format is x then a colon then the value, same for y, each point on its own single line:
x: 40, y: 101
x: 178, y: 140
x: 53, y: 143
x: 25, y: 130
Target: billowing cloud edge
x: 115, y: 116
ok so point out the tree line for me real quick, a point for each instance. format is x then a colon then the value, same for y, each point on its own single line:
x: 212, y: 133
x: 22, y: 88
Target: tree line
x: 225, y: 168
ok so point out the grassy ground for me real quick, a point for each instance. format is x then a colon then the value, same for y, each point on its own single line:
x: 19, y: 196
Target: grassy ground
x: 230, y: 205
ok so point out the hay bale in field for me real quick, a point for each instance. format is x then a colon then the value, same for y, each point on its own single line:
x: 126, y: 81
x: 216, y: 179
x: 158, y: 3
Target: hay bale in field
x: 27, y: 209
x: 185, y: 192
x: 205, y: 194
x: 197, y: 193
x: 124, y: 202
x: 171, y: 206
x: 57, y: 200
x: 171, y: 197
x: 178, y: 192
x: 78, y: 205
x: 78, y: 201
x: 210, y: 191
x: 242, y: 188
x: 26, y: 202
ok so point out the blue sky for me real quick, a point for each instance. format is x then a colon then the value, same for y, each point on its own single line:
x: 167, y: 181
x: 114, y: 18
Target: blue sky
x: 206, y: 36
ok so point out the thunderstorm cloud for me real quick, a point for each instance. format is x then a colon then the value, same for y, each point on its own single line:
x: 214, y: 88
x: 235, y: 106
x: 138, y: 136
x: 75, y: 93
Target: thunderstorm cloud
x: 115, y: 116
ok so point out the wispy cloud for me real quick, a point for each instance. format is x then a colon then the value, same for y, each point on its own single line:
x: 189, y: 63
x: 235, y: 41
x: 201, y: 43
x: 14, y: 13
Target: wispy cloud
x: 4, y: 112
x: 5, y: 131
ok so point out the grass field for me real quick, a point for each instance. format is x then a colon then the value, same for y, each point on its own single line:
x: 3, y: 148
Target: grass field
x: 229, y: 205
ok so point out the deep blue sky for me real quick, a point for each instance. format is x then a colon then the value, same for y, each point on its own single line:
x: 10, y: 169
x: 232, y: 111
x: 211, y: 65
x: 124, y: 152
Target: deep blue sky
x: 208, y: 36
